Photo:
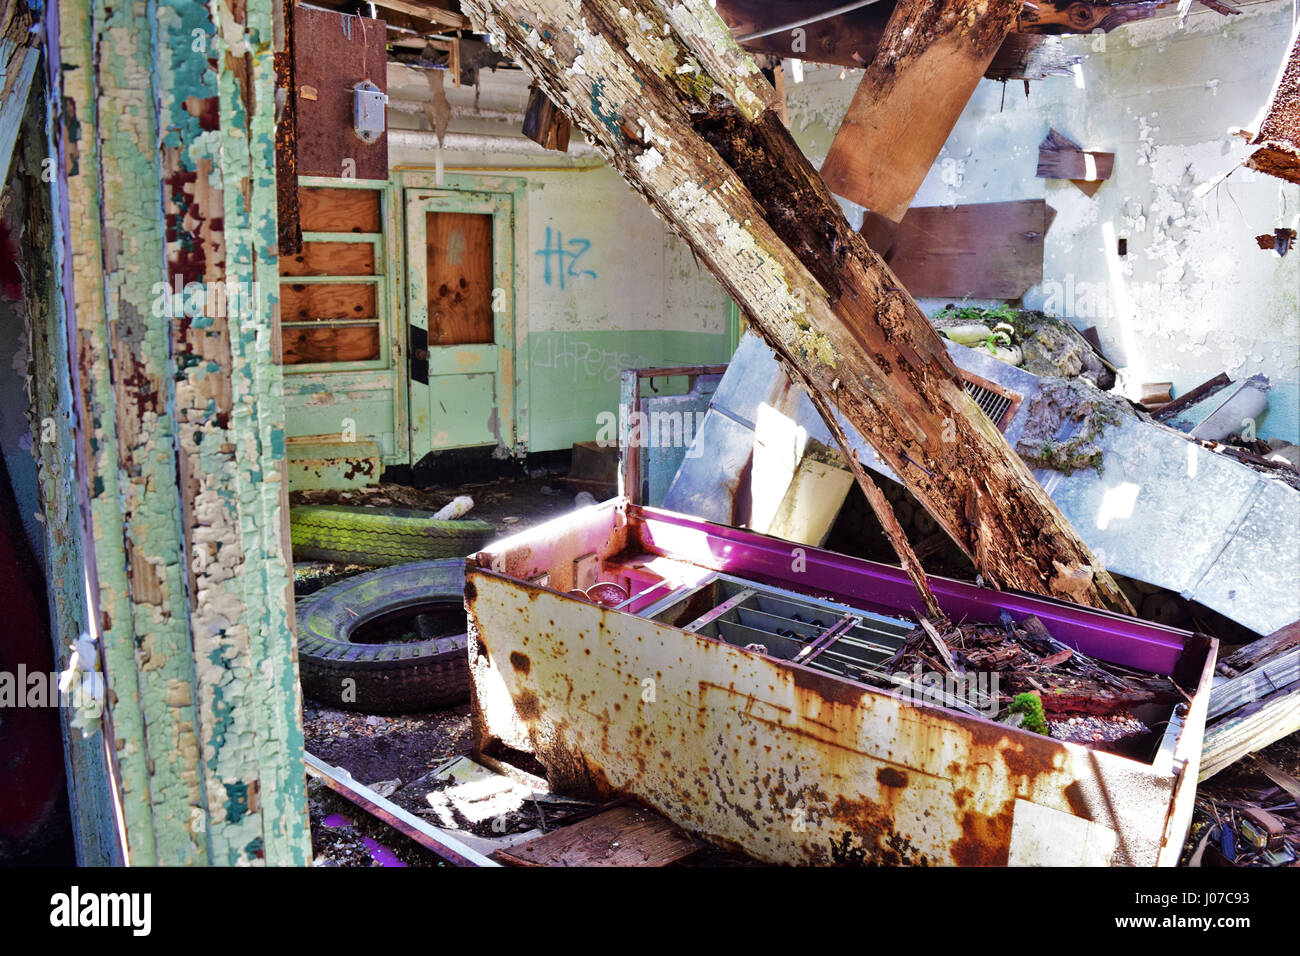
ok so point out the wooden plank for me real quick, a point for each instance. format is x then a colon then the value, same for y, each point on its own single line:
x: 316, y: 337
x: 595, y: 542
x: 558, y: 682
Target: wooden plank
x: 1253, y: 653
x: 930, y: 60
x: 985, y: 250
x: 90, y: 786
x: 286, y: 134
x: 1250, y: 729
x: 330, y: 259
x: 1277, y: 671
x: 850, y: 39
x: 351, y: 344
x: 426, y: 10
x: 1193, y: 396
x: 309, y: 302
x: 332, y: 53
x: 328, y: 209
x: 628, y: 835
x: 458, y: 257
x: 179, y: 425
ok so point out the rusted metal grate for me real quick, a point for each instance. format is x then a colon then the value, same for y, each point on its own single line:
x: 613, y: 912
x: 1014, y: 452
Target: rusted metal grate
x: 991, y: 403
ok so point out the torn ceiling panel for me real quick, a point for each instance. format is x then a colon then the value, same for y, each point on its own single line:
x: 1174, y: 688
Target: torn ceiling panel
x: 1163, y: 509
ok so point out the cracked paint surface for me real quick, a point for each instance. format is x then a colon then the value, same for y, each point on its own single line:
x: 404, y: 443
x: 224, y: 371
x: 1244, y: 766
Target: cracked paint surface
x: 183, y: 424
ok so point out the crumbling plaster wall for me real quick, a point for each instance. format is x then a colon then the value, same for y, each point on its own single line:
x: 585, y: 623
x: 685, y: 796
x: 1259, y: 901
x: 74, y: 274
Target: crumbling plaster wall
x: 608, y: 288
x: 1195, y: 295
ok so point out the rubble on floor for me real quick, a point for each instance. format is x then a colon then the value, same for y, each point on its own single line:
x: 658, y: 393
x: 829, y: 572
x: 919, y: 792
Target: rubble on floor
x: 1191, y: 517
x: 1250, y: 816
x: 1083, y: 700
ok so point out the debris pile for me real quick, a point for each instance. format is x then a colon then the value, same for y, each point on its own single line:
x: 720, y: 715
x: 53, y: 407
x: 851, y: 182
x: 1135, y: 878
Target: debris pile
x: 1041, y: 344
x: 1250, y: 820
x: 1041, y: 684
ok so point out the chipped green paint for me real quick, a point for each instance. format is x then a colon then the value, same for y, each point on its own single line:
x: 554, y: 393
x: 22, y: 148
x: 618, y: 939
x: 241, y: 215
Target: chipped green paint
x: 89, y: 791
x: 144, y: 426
x: 183, y: 424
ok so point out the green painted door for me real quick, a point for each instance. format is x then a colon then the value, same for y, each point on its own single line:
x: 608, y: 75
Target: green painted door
x: 459, y: 269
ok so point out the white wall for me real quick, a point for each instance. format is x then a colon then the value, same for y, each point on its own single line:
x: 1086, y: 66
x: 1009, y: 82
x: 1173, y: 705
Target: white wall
x: 1195, y: 295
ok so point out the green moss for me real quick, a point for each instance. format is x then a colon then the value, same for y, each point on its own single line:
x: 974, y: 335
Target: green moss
x: 1030, y: 708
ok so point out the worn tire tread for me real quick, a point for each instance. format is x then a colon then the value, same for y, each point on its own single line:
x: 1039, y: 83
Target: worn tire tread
x: 389, y: 678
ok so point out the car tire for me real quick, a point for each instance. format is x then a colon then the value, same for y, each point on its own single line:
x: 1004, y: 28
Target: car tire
x: 398, y: 677
x: 380, y: 537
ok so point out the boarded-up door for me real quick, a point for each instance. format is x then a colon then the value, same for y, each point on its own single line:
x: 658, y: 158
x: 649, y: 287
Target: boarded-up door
x: 460, y: 310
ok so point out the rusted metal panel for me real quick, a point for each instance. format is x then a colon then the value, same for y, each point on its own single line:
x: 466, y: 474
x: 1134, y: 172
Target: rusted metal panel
x: 788, y: 763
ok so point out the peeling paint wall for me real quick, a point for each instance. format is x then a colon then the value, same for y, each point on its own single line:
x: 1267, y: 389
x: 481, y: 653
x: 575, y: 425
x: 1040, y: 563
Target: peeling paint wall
x: 167, y: 163
x: 1195, y: 295
x: 607, y: 289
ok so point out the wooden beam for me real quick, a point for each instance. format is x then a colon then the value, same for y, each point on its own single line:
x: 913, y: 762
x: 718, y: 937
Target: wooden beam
x: 1278, y: 141
x: 443, y: 17
x: 930, y: 60
x: 166, y: 161
x: 850, y: 39
x: 689, y: 122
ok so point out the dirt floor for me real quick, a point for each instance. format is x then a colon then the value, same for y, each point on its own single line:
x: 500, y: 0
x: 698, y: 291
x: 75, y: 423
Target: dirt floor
x: 395, y: 752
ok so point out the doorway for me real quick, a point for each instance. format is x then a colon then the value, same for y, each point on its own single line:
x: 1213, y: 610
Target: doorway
x: 461, y: 320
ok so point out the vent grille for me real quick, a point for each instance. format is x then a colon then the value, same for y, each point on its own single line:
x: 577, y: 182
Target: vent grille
x: 991, y: 403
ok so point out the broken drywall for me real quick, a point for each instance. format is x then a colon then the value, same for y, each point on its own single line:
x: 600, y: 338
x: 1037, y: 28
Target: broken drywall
x: 1194, y: 295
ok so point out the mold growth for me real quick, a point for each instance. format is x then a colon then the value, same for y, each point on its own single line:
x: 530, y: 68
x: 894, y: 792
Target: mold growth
x: 1081, y: 412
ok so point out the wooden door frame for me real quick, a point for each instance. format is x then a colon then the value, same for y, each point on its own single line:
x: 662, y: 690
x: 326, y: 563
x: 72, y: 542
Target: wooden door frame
x: 513, y: 371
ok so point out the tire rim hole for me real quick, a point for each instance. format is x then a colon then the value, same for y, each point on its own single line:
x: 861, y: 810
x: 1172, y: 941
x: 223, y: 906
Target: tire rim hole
x: 420, y: 622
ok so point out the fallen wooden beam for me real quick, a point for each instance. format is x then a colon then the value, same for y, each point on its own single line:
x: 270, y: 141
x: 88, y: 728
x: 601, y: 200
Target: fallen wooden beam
x: 1279, y: 132
x: 1250, y: 729
x: 850, y: 38
x: 1243, y: 658
x: 929, y: 61
x: 441, y: 842
x: 1193, y: 396
x: 687, y: 119
x: 1261, y: 680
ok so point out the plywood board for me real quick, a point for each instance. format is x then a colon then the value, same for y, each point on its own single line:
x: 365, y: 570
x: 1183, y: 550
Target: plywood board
x: 332, y: 53
x: 330, y: 259
x: 458, y: 257
x: 351, y: 344
x: 326, y: 209
x: 307, y: 302
x: 628, y: 835
x: 987, y: 250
